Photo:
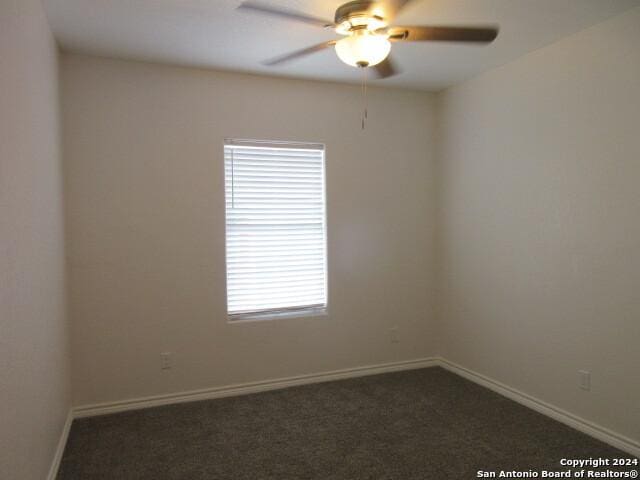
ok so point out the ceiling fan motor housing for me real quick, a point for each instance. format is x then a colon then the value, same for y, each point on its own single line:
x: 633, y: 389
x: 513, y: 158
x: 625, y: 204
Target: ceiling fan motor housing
x: 357, y: 8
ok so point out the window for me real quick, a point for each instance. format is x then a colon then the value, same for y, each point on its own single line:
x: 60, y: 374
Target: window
x: 275, y: 229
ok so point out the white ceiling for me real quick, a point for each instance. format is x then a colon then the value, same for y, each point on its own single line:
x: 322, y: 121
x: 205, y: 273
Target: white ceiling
x: 212, y: 34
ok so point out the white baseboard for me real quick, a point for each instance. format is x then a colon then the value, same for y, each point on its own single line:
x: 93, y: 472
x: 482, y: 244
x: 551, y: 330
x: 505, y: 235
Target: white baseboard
x: 246, y: 388
x: 601, y: 433
x: 596, y: 431
x: 62, y: 442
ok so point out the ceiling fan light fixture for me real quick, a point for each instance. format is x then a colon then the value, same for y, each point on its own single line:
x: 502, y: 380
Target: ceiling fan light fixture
x: 363, y: 49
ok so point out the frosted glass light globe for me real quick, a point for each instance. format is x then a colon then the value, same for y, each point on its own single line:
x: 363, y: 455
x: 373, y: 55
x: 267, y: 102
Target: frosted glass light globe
x: 363, y: 49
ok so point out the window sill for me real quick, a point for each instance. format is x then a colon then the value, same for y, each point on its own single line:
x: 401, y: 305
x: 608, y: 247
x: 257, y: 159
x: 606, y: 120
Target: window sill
x: 262, y: 316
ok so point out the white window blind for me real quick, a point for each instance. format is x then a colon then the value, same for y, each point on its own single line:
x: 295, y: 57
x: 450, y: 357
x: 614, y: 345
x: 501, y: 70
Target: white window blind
x: 275, y: 228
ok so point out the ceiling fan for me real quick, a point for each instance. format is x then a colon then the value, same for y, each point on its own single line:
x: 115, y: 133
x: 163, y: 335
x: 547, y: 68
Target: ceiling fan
x: 367, y: 33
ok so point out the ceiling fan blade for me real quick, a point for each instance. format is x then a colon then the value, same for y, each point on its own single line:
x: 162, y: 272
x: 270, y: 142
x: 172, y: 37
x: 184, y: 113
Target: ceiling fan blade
x: 389, y: 8
x: 386, y: 68
x: 443, y: 34
x: 298, y: 53
x: 284, y: 13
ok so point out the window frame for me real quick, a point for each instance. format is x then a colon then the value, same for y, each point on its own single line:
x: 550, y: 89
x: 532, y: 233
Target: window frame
x: 307, y: 311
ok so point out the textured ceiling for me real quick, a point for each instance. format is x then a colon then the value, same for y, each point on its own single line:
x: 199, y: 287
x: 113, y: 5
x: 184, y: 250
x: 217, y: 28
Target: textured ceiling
x: 213, y: 34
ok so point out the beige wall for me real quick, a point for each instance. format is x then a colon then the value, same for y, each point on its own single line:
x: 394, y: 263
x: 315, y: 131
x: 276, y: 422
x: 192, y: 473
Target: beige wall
x: 34, y: 370
x: 144, y: 162
x: 539, y: 223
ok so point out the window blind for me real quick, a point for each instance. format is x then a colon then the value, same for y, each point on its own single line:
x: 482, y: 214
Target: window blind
x: 275, y: 228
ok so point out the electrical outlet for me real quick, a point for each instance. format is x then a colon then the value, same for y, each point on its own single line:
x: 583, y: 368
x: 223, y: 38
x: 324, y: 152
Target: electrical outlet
x: 393, y: 335
x: 165, y: 361
x: 585, y: 379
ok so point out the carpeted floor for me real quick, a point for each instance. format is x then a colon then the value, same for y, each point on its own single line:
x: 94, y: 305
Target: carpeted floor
x: 421, y: 424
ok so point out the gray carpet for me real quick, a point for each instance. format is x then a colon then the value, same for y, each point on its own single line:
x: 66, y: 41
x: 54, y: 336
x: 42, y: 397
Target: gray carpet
x: 420, y: 424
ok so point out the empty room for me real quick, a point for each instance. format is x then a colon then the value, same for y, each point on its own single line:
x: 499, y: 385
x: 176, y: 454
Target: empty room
x: 319, y: 239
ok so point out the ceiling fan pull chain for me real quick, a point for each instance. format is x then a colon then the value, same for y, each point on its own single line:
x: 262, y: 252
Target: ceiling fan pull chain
x: 364, y: 96
x: 366, y: 102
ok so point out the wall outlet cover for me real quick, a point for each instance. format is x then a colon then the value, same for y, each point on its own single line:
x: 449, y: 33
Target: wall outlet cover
x: 585, y: 379
x: 165, y: 361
